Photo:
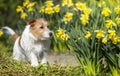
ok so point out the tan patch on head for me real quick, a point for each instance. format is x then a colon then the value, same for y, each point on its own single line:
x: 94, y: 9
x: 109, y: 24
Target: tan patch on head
x: 38, y: 26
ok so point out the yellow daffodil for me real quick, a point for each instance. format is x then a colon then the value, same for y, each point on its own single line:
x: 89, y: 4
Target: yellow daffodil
x: 31, y: 4
x: 49, y: 10
x: 117, y: 20
x: 30, y: 9
x: 87, y: 11
x: 115, y: 40
x: 112, y: 33
x: 80, y: 6
x: 117, y: 10
x: 88, y: 35
x: 101, y: 3
x: 104, y: 40
x: 59, y: 32
x: 106, y: 12
x: 19, y: 9
x: 42, y: 9
x: 25, y: 3
x: 23, y: 15
x: 69, y: 3
x: 100, y: 34
x: 68, y: 16
x: 64, y: 2
x: 109, y: 24
x: 56, y: 8
x: 84, y: 19
x: 64, y: 37
x: 1, y: 33
x: 49, y: 3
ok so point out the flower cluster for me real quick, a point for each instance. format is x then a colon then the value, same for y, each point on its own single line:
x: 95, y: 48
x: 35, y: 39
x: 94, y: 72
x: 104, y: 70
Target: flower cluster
x: 68, y: 16
x: 26, y: 7
x: 86, y: 12
x: 49, y: 8
x: 62, y: 34
x: 68, y: 3
x: 106, y: 36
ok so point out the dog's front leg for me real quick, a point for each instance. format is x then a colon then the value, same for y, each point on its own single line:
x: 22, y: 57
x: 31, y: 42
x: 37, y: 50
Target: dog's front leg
x: 44, y: 61
x: 33, y: 59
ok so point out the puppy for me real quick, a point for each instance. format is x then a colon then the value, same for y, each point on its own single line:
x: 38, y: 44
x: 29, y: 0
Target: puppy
x: 34, y: 42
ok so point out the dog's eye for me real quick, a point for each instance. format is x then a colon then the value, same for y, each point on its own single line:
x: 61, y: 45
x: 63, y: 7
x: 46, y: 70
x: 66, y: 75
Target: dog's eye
x: 41, y: 27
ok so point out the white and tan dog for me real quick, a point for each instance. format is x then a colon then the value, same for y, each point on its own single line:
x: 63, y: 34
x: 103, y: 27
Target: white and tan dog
x: 34, y: 42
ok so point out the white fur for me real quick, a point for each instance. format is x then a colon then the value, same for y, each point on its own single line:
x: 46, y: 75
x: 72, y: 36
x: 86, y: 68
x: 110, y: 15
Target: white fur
x: 8, y: 30
x: 31, y: 49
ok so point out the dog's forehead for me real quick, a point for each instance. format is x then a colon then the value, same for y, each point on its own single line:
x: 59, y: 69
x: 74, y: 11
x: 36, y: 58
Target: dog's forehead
x: 41, y: 21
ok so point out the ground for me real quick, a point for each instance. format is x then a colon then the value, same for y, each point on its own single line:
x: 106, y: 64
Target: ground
x: 62, y: 59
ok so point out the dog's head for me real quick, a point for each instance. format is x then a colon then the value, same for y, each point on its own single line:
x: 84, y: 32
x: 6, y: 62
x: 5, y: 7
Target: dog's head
x: 39, y: 28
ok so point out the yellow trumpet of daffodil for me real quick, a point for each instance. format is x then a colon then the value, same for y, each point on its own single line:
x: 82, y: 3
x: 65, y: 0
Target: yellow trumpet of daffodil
x: 23, y: 15
x: 84, y: 19
x: 112, y: 33
x: 109, y: 24
x: 56, y: 8
x: 49, y: 3
x: 100, y: 34
x: 117, y: 10
x: 104, y: 40
x: 19, y: 9
x: 88, y: 35
x: 106, y: 12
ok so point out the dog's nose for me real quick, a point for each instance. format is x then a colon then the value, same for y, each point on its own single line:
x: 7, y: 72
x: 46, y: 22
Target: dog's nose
x: 50, y: 33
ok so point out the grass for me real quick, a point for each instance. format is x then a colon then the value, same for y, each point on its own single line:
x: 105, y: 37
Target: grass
x: 10, y: 67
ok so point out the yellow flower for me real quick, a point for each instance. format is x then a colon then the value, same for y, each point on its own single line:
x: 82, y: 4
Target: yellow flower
x: 117, y: 20
x: 49, y: 3
x: 84, y: 19
x: 87, y: 11
x: 112, y: 33
x: 64, y: 37
x: 1, y: 33
x: 110, y: 24
x: 117, y: 10
x: 104, y: 40
x: 88, y: 35
x: 42, y: 9
x: 25, y: 3
x: 64, y: 2
x: 23, y: 15
x: 100, y: 34
x: 80, y: 6
x: 30, y: 9
x: 32, y: 4
x: 115, y: 40
x: 56, y: 8
x: 69, y: 3
x: 19, y: 9
x: 68, y: 16
x: 106, y: 12
x: 59, y: 32
x: 49, y: 10
x: 101, y: 3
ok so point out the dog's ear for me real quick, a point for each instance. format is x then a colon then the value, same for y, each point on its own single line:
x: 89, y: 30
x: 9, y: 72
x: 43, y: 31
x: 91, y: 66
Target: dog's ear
x: 31, y: 22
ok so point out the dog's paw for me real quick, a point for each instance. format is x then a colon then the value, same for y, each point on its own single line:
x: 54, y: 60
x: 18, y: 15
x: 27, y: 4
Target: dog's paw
x: 34, y: 64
